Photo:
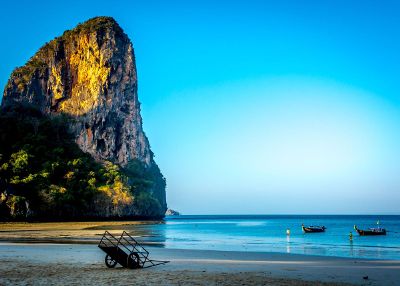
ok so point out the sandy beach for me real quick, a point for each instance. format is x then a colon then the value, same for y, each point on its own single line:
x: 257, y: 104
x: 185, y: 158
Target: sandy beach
x: 83, y: 264
x: 53, y: 259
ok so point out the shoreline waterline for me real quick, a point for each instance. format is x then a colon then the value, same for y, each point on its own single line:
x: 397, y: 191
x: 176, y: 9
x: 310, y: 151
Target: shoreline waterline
x: 249, y: 233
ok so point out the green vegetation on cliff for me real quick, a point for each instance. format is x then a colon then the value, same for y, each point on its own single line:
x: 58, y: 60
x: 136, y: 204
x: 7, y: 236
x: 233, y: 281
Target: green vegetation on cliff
x: 45, y: 175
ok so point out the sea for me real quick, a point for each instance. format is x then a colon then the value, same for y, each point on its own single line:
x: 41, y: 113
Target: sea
x: 269, y: 233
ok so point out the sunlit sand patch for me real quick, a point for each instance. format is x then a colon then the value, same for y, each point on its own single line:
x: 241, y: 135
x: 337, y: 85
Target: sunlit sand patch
x: 68, y: 232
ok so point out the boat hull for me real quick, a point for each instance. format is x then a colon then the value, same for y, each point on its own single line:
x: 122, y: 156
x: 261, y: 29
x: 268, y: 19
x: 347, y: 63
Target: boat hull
x: 313, y: 229
x: 370, y: 232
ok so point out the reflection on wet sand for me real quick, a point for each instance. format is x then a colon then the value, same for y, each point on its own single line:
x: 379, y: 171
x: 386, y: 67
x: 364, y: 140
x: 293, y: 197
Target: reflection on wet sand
x: 288, y: 244
x: 351, y: 252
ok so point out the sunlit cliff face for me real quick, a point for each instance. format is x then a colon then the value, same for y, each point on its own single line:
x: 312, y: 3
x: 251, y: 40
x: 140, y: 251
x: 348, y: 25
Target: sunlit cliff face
x: 88, y: 73
x: 91, y: 74
x: 72, y: 73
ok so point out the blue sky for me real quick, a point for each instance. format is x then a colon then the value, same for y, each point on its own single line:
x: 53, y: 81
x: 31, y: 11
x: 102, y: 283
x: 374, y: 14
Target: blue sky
x: 254, y: 107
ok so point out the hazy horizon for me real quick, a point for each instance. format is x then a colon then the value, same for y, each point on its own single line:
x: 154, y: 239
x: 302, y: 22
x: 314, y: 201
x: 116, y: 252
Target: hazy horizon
x: 253, y: 107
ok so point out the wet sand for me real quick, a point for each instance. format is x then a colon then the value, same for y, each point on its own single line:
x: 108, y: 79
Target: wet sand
x: 68, y: 232
x: 80, y: 263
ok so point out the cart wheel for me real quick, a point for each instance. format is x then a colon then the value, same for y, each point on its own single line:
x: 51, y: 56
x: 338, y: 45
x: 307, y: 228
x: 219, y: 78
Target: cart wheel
x: 110, y: 262
x: 133, y: 261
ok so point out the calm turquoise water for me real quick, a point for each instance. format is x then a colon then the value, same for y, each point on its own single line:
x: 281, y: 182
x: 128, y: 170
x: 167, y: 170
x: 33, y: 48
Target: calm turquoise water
x: 267, y: 233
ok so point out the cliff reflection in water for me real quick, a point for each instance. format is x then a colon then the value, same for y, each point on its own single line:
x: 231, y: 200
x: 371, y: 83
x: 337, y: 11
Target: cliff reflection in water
x: 151, y: 233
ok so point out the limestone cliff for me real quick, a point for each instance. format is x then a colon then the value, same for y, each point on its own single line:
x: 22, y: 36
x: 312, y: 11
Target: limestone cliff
x: 89, y: 74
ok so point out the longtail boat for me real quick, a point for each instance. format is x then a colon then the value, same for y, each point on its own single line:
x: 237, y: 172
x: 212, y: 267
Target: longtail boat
x: 311, y: 228
x: 370, y: 231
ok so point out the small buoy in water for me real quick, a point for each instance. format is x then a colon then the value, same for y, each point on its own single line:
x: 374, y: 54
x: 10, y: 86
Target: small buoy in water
x: 351, y: 236
x: 288, y: 231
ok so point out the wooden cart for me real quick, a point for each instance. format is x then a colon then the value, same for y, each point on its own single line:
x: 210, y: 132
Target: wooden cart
x: 126, y: 251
